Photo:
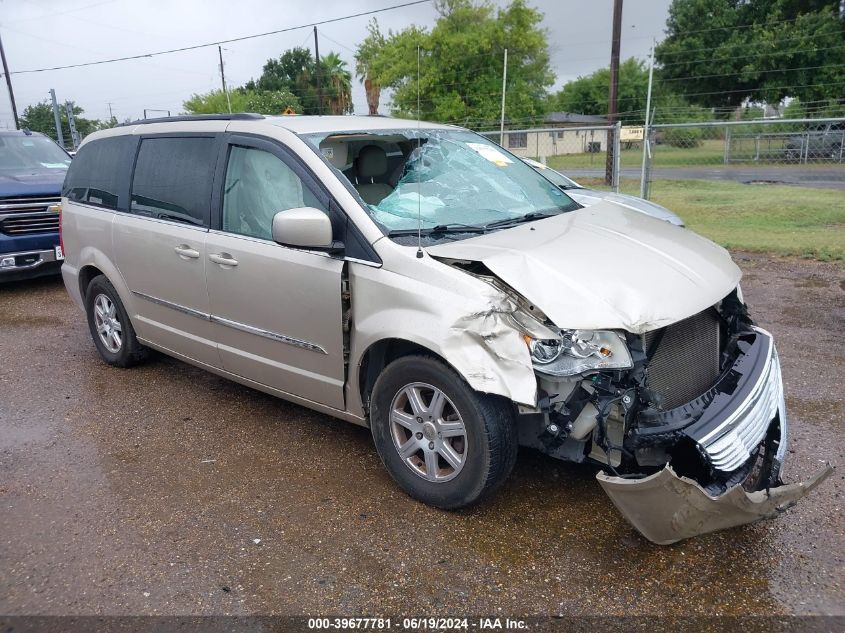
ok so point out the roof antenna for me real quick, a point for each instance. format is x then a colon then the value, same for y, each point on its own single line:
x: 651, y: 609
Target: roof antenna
x: 419, y: 160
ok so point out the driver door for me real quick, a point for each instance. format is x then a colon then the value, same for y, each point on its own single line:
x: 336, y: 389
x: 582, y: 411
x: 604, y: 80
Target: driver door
x: 276, y: 310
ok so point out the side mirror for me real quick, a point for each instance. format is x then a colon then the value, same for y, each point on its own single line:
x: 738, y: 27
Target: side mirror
x: 305, y: 227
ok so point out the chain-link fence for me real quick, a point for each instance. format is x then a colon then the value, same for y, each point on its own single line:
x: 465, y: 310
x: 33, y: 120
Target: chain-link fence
x: 808, y: 152
x: 582, y: 149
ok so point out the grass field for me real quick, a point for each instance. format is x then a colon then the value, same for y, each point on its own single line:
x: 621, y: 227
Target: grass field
x: 710, y: 152
x: 767, y: 218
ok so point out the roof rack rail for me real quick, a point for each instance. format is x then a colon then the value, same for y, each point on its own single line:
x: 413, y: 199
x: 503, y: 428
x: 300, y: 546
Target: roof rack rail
x: 238, y: 116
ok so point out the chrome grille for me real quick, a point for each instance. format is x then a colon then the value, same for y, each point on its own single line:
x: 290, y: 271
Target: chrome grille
x: 20, y: 216
x: 730, y: 445
x: 27, y: 205
x: 684, y: 358
x: 31, y: 223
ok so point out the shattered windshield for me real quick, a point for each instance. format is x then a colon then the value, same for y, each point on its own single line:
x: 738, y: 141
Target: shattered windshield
x: 440, y: 180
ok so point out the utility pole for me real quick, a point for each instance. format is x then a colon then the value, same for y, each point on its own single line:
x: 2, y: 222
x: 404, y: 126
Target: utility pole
x: 223, y: 78
x: 646, y: 144
x: 504, y: 87
x: 74, y: 135
x: 612, y: 102
x: 319, y: 74
x: 9, y: 85
x: 57, y: 118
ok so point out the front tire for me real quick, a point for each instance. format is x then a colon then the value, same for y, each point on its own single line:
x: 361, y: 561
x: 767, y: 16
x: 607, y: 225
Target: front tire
x: 112, y: 331
x: 442, y: 442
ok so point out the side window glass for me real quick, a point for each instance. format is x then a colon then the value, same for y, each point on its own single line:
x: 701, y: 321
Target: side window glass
x: 99, y: 171
x: 172, y: 179
x: 258, y: 185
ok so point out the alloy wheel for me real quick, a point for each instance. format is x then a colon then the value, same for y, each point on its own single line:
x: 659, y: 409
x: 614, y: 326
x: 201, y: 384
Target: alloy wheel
x: 428, y: 432
x: 107, y: 323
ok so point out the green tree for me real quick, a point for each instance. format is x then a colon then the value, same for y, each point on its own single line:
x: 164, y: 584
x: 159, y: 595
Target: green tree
x: 242, y: 100
x: 720, y: 53
x: 295, y: 71
x: 589, y: 95
x: 39, y: 118
x: 214, y: 102
x: 367, y: 51
x: 337, y: 85
x: 461, y: 64
x: 270, y: 101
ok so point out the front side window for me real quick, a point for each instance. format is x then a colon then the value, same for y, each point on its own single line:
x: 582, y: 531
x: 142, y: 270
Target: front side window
x: 258, y: 185
x: 442, y: 178
x: 172, y: 179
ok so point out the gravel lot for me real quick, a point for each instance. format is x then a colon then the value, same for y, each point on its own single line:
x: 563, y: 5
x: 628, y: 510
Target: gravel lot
x: 166, y: 490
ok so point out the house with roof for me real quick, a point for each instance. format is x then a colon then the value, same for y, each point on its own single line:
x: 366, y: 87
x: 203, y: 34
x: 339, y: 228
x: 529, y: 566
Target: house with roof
x: 561, y: 133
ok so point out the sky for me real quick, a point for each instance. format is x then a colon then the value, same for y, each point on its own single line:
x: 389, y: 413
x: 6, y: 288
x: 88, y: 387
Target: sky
x: 45, y: 33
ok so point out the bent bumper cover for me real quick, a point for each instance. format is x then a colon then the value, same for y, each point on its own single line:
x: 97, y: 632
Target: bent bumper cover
x: 666, y: 508
x: 728, y: 424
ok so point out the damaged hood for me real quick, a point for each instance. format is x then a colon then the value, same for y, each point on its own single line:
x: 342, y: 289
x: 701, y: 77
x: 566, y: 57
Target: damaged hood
x: 604, y: 267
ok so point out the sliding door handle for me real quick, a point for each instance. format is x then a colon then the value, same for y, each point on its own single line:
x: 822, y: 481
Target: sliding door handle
x: 224, y: 259
x: 186, y: 252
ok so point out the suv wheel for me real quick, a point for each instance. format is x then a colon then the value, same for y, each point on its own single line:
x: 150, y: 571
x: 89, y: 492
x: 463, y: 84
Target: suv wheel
x: 442, y: 442
x: 113, y: 334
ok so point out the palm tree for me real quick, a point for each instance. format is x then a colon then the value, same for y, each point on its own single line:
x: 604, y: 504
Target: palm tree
x: 339, y: 84
x: 367, y: 51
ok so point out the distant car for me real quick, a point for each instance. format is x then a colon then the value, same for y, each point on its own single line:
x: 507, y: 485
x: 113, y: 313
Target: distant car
x: 589, y: 197
x: 825, y: 141
x: 32, y: 170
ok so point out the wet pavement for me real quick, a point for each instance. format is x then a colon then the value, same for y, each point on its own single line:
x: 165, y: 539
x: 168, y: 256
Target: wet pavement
x: 166, y: 490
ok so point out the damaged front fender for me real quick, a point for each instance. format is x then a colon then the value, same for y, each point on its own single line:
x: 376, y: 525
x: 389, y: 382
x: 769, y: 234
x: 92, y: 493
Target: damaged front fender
x: 666, y: 508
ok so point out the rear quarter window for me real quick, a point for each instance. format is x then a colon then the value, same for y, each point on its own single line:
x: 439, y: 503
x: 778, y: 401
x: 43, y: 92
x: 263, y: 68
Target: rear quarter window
x: 99, y: 172
x: 172, y: 179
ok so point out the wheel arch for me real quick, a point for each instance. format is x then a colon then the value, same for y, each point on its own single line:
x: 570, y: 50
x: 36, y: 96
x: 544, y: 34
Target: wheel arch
x: 86, y: 276
x: 380, y: 354
x: 98, y: 263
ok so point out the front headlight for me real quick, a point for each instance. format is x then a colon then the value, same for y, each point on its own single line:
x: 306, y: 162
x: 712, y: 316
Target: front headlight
x: 579, y: 351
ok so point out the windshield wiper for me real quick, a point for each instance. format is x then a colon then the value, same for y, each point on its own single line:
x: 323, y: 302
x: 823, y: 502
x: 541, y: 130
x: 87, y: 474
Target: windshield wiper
x: 452, y: 227
x: 528, y: 217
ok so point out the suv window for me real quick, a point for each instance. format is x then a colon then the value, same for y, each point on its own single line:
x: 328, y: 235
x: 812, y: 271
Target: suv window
x: 172, y: 179
x: 258, y: 185
x: 98, y: 172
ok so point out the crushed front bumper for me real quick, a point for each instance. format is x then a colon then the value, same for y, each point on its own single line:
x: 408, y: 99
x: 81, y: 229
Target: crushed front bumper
x: 742, y: 418
x: 666, y: 508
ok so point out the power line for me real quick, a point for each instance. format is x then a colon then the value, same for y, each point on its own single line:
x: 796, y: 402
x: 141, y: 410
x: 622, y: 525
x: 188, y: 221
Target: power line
x: 227, y: 41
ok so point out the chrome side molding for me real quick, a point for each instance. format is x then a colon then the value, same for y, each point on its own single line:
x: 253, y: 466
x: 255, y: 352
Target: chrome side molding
x: 236, y: 325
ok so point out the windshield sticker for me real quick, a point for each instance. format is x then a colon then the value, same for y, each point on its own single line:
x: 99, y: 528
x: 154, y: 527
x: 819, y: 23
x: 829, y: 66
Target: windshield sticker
x: 490, y: 153
x: 54, y: 165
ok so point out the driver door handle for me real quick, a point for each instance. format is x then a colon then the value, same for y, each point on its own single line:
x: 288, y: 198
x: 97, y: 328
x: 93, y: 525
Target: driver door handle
x: 224, y: 259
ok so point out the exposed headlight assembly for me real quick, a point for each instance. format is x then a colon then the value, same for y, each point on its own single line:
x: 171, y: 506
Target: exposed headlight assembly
x: 579, y: 351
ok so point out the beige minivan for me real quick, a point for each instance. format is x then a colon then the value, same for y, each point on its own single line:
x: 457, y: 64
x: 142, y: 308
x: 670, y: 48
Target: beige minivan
x: 420, y: 280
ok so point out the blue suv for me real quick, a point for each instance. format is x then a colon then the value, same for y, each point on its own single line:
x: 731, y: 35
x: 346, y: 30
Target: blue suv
x: 32, y: 170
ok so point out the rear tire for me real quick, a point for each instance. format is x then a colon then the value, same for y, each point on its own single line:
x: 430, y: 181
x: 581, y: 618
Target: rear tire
x: 443, y: 443
x: 112, y: 331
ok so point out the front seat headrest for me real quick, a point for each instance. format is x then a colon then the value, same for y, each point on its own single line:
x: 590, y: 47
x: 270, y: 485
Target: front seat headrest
x: 371, y: 161
x: 336, y: 152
